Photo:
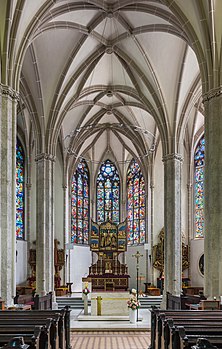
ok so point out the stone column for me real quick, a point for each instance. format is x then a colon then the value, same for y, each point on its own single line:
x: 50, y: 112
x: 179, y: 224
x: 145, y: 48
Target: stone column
x: 213, y: 194
x: 45, y: 223
x: 172, y: 223
x: 151, y: 232
x: 8, y: 103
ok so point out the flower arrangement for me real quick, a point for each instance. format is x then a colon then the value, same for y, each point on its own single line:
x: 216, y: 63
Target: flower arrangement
x: 86, y: 291
x: 133, y: 304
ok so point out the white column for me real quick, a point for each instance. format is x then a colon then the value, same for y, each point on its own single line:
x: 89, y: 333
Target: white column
x: 45, y: 223
x: 8, y: 102
x: 172, y: 223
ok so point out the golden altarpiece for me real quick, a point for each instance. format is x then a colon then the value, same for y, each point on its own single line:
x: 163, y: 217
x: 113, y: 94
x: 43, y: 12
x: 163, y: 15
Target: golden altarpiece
x: 107, y: 241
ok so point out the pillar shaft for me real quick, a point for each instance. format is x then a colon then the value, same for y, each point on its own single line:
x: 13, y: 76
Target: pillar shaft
x: 45, y: 223
x: 8, y: 102
x: 172, y: 222
x: 213, y: 194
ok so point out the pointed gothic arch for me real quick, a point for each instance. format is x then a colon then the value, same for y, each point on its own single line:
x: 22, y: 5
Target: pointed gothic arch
x: 20, y: 191
x: 80, y: 204
x: 199, y: 164
x: 136, y: 204
x: 108, y: 193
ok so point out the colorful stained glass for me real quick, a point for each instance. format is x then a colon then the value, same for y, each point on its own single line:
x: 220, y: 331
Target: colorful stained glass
x: 199, y: 163
x: 135, y: 204
x: 20, y: 190
x: 108, y: 193
x: 80, y: 204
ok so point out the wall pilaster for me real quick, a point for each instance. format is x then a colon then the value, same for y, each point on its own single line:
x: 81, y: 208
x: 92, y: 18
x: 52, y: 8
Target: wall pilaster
x: 172, y: 223
x: 45, y: 167
x: 213, y: 197
x: 8, y: 103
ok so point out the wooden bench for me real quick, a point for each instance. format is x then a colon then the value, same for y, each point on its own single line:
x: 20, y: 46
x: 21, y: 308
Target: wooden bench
x: 37, y: 302
x: 63, y: 322
x: 36, y: 337
x: 158, y: 317
x: 50, y: 324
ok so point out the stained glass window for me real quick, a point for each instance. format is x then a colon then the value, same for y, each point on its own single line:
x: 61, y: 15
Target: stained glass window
x: 80, y: 204
x: 108, y: 193
x: 20, y: 190
x: 136, y: 204
x: 199, y: 163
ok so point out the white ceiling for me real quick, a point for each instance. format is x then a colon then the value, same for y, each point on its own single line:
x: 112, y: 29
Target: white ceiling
x: 122, y: 73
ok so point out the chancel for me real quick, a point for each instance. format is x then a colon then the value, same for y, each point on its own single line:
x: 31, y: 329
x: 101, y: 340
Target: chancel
x: 110, y: 143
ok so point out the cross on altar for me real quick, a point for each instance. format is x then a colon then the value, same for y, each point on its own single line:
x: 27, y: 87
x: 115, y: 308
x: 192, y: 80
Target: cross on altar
x: 137, y: 256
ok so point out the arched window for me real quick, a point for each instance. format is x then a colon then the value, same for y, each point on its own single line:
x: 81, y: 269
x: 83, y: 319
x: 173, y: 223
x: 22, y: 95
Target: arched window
x: 20, y: 191
x: 80, y: 204
x: 108, y: 193
x: 136, y: 204
x: 199, y: 163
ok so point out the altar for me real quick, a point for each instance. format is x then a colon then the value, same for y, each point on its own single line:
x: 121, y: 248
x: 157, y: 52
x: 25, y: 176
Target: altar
x: 109, y: 303
x: 107, y: 242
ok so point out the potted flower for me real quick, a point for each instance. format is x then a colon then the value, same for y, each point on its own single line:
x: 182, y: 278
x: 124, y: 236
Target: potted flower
x: 86, y: 291
x: 133, y: 304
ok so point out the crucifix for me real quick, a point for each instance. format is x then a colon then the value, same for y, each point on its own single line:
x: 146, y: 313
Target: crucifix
x: 137, y: 255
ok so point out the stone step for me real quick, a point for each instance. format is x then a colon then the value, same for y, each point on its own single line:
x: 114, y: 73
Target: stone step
x: 77, y: 302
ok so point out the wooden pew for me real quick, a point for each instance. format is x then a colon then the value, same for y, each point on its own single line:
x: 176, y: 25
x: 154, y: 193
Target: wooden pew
x: 63, y: 323
x: 187, y: 338
x: 171, y: 331
x: 158, y: 315
x: 50, y: 324
x: 37, y: 302
x: 35, y: 338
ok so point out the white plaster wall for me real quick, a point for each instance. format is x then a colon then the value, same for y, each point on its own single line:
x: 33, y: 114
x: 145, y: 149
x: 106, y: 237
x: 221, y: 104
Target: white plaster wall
x: 196, y: 250
x: 78, y: 265
x: 21, y: 262
x: 131, y: 263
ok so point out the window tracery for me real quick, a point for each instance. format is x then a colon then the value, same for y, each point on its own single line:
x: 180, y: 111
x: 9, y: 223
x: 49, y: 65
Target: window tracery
x: 80, y: 204
x: 108, y: 193
x: 136, y: 205
x: 199, y: 163
x: 20, y: 191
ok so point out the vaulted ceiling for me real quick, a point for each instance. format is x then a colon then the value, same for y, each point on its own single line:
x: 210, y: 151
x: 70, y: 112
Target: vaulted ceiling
x: 111, y: 77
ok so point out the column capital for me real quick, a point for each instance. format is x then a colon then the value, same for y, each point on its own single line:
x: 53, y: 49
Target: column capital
x: 8, y: 91
x: 215, y: 92
x: 44, y: 156
x: 173, y: 156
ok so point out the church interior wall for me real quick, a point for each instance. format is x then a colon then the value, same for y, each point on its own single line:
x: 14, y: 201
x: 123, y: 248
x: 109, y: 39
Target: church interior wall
x: 80, y: 260
x: 196, y: 251
x: 21, y: 262
x: 131, y: 263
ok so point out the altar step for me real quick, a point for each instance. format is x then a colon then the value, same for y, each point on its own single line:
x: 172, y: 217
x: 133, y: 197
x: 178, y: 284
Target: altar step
x: 77, y: 302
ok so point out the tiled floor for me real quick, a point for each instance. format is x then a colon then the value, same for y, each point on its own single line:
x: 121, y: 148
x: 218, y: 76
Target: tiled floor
x: 110, y: 340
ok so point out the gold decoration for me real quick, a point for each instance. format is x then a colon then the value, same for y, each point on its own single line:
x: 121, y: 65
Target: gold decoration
x: 158, y: 253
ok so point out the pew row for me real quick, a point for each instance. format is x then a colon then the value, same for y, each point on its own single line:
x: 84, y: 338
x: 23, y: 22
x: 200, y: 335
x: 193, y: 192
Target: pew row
x: 160, y: 320
x: 61, y: 316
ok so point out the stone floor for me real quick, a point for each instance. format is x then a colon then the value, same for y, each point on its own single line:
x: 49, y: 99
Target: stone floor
x: 110, y: 340
x: 114, y: 324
